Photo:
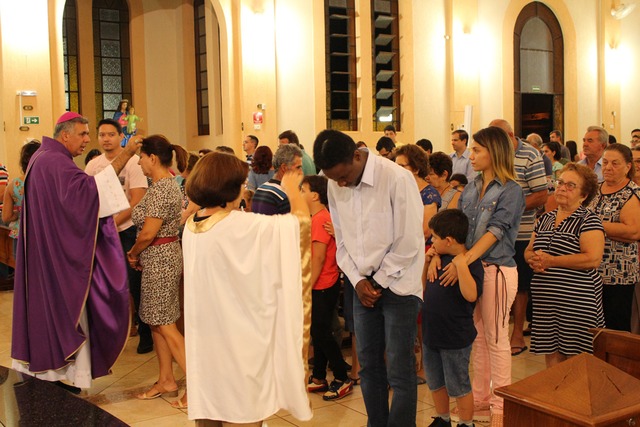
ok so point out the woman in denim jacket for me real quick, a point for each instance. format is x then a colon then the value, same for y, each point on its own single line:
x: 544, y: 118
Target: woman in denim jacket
x: 494, y: 203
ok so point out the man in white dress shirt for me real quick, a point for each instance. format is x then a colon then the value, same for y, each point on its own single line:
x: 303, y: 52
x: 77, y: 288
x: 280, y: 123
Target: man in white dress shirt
x: 377, y: 215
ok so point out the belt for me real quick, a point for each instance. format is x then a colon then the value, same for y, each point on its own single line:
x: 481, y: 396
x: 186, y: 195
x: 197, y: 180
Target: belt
x: 163, y: 240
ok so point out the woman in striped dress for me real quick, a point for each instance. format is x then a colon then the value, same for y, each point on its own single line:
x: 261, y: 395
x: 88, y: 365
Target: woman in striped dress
x: 564, y: 252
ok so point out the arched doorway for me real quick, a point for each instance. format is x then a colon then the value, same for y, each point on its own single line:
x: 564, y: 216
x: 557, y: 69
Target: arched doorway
x: 538, y: 56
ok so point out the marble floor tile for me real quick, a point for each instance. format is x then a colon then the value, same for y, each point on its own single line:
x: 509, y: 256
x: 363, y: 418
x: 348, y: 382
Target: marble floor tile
x: 334, y: 415
x: 135, y: 373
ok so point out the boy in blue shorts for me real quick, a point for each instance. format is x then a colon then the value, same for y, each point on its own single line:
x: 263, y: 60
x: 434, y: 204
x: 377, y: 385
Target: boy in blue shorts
x: 448, y: 329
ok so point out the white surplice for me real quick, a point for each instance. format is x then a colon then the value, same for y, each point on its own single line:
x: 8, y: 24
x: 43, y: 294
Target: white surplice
x: 244, y: 318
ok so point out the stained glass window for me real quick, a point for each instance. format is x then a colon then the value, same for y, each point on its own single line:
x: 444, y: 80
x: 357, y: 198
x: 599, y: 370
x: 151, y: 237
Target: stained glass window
x: 70, y: 57
x: 112, y: 55
x: 202, y: 86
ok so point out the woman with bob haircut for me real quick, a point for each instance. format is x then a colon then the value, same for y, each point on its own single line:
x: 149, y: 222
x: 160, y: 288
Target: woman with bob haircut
x: 243, y: 284
x: 494, y: 203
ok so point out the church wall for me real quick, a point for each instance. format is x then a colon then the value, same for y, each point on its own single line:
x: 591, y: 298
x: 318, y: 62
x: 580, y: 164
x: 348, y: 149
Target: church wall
x: 295, y: 63
x: 281, y: 64
x: 586, y: 75
x: 165, y: 69
x: 626, y: 65
x: 26, y: 65
x: 431, y: 102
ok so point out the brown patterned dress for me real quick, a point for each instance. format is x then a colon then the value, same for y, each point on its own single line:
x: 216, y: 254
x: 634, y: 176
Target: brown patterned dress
x: 161, y: 264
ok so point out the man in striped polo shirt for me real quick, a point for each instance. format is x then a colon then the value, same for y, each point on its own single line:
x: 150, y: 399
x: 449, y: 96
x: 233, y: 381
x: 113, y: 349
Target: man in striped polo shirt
x: 270, y: 198
x: 530, y: 175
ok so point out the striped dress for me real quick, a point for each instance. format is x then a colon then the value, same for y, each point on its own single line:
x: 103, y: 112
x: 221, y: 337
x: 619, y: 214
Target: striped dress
x: 566, y: 302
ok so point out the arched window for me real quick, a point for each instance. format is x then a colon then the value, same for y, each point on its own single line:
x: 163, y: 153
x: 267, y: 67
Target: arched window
x: 112, y: 56
x: 70, y: 55
x: 538, y: 50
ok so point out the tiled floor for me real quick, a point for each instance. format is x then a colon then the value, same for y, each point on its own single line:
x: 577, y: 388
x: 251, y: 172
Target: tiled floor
x: 134, y: 373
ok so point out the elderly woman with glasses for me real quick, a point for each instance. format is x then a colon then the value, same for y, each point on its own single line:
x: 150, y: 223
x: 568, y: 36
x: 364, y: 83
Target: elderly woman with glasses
x: 564, y: 252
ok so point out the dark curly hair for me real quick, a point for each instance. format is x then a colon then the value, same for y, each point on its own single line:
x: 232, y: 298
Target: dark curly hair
x: 440, y: 163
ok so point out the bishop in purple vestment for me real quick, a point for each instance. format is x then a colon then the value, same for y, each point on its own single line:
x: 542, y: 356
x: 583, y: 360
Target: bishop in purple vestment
x: 71, y: 299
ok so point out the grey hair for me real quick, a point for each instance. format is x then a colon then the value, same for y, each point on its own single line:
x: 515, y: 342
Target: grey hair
x: 603, y: 135
x: 535, y: 140
x: 68, y: 126
x: 285, y: 155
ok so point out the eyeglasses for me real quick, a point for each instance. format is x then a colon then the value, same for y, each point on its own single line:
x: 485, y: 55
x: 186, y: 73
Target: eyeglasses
x: 568, y: 185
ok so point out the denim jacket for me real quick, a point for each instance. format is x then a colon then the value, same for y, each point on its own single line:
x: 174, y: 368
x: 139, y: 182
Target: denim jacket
x: 498, y: 212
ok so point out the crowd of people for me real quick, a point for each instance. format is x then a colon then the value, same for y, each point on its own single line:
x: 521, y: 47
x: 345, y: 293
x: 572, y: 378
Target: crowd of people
x: 421, y: 247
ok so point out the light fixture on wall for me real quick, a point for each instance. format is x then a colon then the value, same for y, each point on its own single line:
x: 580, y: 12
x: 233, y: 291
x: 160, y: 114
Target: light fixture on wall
x: 26, y: 94
x: 623, y: 10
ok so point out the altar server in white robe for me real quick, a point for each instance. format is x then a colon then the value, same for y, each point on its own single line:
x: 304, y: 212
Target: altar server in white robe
x: 243, y: 306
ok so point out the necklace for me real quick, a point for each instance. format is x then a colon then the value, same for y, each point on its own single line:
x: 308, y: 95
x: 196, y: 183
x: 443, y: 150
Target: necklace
x: 444, y: 189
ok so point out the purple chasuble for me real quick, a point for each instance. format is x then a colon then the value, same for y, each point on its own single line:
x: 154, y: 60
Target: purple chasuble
x: 66, y: 258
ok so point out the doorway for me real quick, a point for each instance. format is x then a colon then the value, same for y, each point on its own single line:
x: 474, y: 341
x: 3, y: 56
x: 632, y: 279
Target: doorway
x: 537, y: 115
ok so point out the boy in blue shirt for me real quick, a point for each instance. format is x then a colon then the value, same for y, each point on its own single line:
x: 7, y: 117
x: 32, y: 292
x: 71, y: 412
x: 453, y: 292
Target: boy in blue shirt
x: 448, y: 329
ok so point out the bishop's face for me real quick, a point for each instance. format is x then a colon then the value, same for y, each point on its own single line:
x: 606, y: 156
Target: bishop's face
x: 77, y: 139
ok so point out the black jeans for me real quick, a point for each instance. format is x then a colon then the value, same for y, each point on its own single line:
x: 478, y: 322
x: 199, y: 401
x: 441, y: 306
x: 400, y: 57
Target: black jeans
x: 325, y: 347
x: 128, y: 239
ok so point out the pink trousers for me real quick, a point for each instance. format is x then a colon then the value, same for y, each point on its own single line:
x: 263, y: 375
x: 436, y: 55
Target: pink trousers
x: 491, y: 348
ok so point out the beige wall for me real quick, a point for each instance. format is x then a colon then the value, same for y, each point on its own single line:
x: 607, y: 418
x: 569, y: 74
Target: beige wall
x: 165, y: 94
x: 431, y: 103
x: 272, y: 52
x: 295, y: 63
x: 627, y: 64
x: 26, y: 65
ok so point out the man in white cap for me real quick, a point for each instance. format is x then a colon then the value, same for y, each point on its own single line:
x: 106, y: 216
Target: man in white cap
x: 71, y: 300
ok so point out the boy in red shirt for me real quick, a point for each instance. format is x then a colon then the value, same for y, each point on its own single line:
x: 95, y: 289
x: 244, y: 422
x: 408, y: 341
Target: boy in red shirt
x: 326, y: 289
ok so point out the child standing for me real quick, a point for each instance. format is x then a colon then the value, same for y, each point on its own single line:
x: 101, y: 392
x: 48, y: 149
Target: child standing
x: 447, y: 312
x: 326, y: 289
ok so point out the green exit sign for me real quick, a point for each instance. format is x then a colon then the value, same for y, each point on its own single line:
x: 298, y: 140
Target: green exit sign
x: 31, y: 120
